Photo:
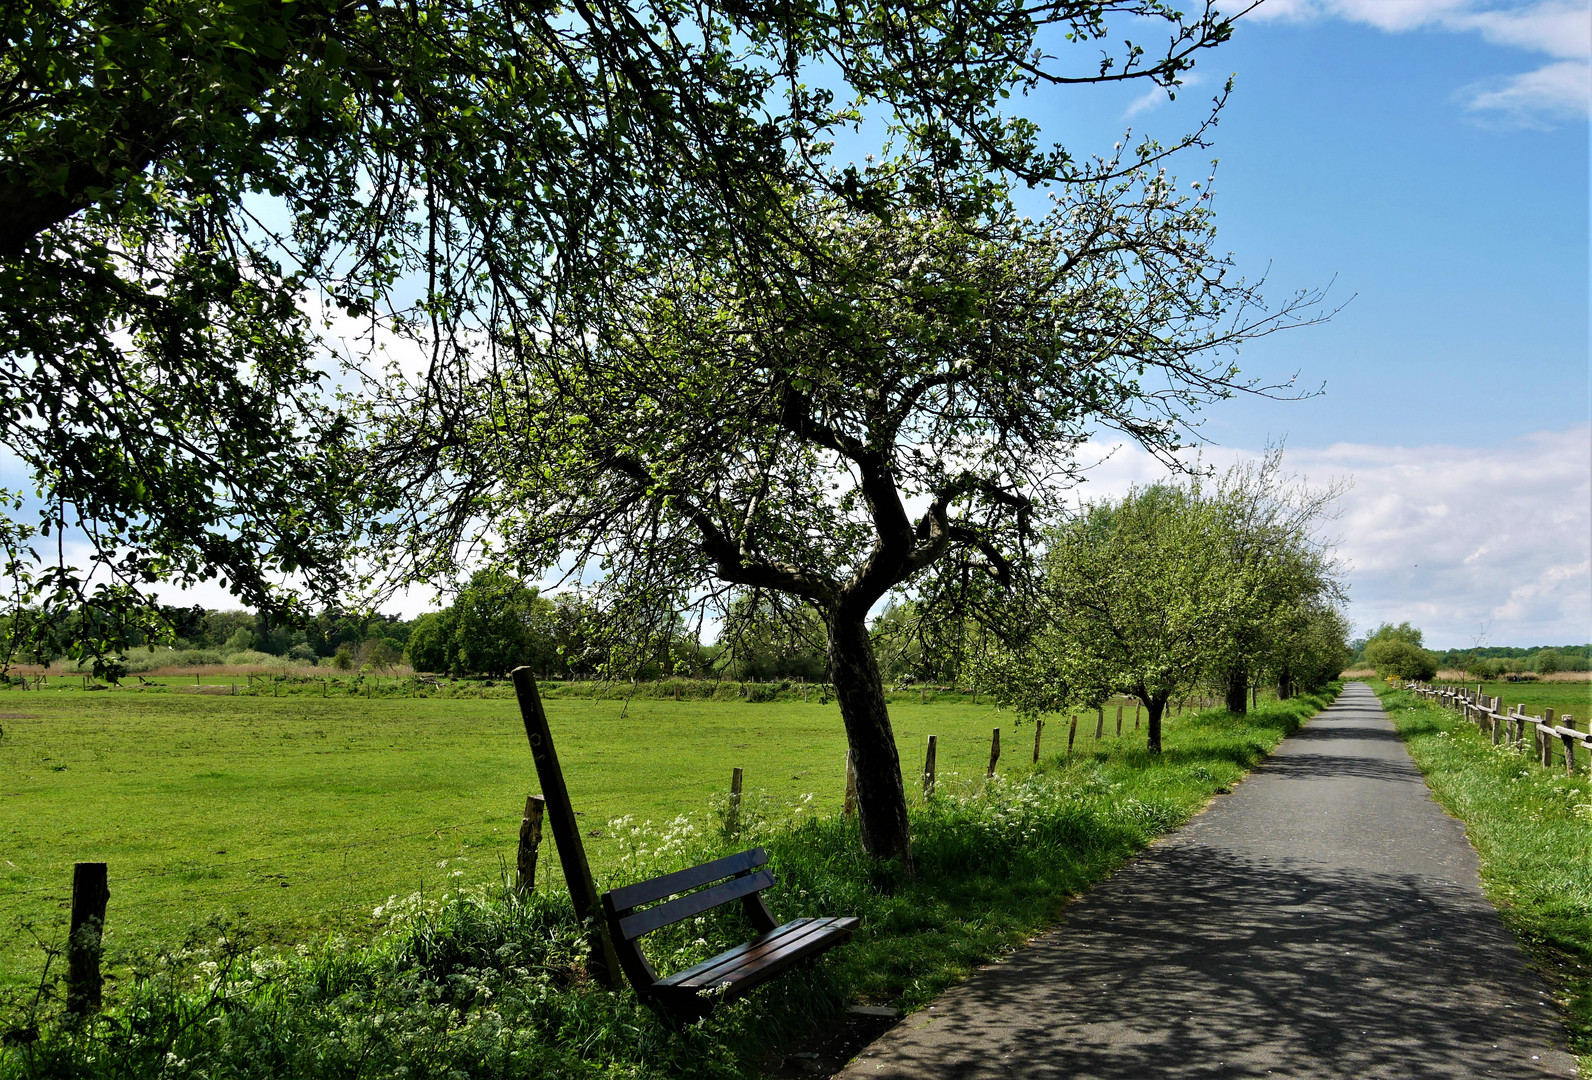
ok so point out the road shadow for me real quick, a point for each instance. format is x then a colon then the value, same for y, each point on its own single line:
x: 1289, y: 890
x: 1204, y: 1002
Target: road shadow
x: 1194, y: 963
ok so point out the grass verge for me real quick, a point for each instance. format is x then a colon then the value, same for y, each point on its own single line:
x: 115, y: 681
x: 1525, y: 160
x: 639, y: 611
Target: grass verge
x: 1532, y: 828
x: 475, y: 983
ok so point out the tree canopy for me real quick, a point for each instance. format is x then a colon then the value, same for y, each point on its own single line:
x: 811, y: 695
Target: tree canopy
x: 1170, y: 587
x: 187, y: 187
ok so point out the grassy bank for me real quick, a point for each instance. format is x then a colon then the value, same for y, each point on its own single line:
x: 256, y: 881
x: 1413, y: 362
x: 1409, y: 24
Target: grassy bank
x: 475, y: 983
x: 1532, y: 828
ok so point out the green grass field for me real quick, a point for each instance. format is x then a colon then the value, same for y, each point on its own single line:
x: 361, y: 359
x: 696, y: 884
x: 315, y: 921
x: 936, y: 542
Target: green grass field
x: 1532, y: 828
x: 301, y: 814
x: 1562, y: 697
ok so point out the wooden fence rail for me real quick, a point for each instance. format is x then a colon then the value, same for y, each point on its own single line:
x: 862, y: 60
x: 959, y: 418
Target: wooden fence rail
x: 1512, y: 725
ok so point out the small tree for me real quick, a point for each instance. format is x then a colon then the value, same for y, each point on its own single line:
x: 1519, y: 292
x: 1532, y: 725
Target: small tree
x: 1133, y: 600
x: 1395, y: 651
x: 431, y: 641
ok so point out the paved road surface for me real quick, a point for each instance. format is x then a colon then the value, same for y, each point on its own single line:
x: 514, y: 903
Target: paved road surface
x: 1324, y: 920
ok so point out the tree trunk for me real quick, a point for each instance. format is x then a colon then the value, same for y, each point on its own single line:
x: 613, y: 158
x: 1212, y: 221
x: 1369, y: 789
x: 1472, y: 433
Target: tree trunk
x: 1154, y: 708
x: 1238, y: 690
x: 881, y: 798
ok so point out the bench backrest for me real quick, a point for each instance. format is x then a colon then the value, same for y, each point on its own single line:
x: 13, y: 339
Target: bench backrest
x: 745, y: 880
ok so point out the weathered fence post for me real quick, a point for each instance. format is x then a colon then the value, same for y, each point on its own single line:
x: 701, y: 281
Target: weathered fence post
x: 1100, y: 722
x: 849, y: 807
x: 530, y: 842
x: 994, y: 751
x: 732, y: 813
x: 1039, y: 727
x: 566, y: 831
x: 1137, y: 705
x: 1543, y: 740
x: 90, y: 893
x: 1567, y: 722
x: 928, y: 769
x: 1119, y: 721
x: 1072, y: 734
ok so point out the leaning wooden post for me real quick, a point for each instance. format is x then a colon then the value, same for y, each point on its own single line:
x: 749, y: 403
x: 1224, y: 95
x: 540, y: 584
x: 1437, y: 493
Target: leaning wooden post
x: 1072, y: 734
x: 732, y: 813
x: 849, y: 807
x: 90, y: 892
x: 994, y: 751
x: 530, y: 842
x: 566, y: 832
x: 1137, y: 705
x: 928, y: 769
x: 1039, y: 728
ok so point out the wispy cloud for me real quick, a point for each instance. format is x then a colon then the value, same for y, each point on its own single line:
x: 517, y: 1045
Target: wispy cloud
x: 1156, y: 96
x: 1453, y: 539
x: 1558, y: 29
x: 1557, y: 92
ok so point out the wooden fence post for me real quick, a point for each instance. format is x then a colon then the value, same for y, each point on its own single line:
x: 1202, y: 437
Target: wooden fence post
x: 1039, y: 727
x: 1100, y: 723
x: 849, y: 807
x: 530, y: 842
x: 1072, y: 733
x: 1567, y: 721
x: 1137, y: 705
x: 928, y: 769
x: 1119, y: 721
x: 90, y: 892
x: 732, y: 813
x: 566, y: 831
x: 1543, y: 740
x: 994, y: 751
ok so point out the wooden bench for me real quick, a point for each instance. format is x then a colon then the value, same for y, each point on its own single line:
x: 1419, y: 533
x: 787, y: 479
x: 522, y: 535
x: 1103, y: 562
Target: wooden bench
x: 691, y: 994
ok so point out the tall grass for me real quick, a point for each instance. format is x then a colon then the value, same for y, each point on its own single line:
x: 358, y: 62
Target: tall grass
x: 478, y: 983
x: 1532, y: 828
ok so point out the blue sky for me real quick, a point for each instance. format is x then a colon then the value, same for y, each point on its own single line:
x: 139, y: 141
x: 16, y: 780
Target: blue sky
x: 1429, y: 159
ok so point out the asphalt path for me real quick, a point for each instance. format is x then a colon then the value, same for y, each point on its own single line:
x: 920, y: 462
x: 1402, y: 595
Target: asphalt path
x: 1323, y: 920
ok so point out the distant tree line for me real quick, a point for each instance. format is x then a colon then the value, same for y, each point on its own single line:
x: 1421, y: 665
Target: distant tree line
x: 1397, y: 651
x: 203, y: 636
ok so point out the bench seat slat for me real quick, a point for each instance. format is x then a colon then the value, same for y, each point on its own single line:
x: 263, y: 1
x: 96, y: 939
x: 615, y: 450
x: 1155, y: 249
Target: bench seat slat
x: 711, y: 971
x: 761, y: 960
x: 645, y: 892
x: 683, y: 907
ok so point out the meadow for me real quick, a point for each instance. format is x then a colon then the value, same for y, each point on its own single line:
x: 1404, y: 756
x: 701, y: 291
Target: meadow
x: 301, y: 814
x: 1562, y: 697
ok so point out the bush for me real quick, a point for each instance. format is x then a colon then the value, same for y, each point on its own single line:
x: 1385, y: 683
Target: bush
x: 1401, y: 659
x: 302, y: 653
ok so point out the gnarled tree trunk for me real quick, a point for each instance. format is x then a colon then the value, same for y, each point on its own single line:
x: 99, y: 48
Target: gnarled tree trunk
x: 1154, y: 709
x: 1238, y: 689
x: 881, y: 799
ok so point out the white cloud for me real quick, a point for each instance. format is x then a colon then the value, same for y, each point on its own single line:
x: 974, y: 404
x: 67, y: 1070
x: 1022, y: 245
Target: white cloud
x: 1560, y: 29
x: 1558, y: 91
x: 1460, y: 541
x: 1156, y: 96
